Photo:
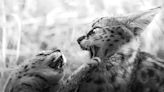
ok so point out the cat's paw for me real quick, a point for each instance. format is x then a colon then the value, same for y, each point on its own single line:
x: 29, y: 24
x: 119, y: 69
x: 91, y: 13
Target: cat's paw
x: 94, y: 61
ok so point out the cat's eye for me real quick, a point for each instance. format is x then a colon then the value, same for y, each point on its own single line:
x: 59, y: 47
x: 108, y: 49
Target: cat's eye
x: 94, y: 30
x: 90, y: 33
x: 98, y: 30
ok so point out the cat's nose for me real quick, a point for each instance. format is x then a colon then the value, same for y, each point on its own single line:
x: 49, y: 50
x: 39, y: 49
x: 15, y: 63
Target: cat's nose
x: 80, y: 39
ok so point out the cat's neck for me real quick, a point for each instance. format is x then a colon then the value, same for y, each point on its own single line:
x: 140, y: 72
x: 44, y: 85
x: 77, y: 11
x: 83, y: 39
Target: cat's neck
x: 128, y: 50
x: 123, y: 60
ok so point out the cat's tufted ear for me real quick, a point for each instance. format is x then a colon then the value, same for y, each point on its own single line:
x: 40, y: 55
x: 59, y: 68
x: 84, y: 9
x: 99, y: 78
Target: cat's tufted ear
x: 139, y: 21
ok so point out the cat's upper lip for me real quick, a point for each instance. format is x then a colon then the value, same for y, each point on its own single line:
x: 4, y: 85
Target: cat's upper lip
x: 84, y: 48
x: 80, y: 39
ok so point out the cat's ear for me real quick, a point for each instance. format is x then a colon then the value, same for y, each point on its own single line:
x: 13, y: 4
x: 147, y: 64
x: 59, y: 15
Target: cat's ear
x: 139, y: 21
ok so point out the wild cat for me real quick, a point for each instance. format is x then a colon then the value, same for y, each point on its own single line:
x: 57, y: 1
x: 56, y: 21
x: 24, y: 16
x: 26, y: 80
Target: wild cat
x: 124, y: 67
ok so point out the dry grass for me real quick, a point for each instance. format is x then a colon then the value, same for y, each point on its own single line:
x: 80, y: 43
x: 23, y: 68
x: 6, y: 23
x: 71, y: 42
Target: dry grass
x: 29, y: 26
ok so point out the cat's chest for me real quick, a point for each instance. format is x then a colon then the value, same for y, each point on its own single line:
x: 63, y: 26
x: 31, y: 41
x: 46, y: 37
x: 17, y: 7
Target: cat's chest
x: 96, y: 80
x: 105, y: 77
x: 121, y: 65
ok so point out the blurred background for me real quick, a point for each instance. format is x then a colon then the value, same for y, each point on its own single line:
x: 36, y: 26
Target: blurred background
x: 30, y: 26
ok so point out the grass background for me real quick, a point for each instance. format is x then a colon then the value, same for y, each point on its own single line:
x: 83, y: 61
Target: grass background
x: 30, y: 26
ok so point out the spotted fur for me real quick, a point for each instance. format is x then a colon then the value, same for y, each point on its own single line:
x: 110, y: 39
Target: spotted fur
x: 38, y: 74
x: 147, y: 75
x: 111, y: 37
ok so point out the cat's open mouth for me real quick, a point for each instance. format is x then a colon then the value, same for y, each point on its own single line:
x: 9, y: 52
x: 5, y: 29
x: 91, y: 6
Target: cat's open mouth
x: 93, y: 51
x: 57, y: 63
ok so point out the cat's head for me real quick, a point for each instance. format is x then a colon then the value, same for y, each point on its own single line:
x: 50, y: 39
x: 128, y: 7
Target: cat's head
x: 109, y: 34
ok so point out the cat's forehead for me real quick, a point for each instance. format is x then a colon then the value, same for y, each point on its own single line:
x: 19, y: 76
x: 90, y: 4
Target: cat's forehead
x: 108, y: 21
